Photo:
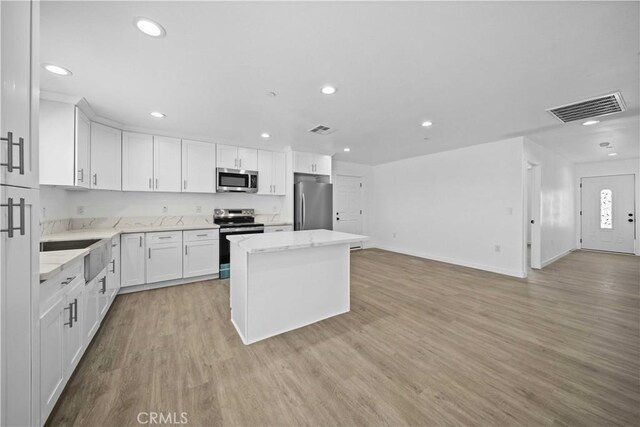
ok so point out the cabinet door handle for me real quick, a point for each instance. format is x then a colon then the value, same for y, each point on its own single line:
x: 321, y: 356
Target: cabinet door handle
x: 10, y: 145
x: 69, y: 280
x: 185, y: 184
x: 150, y: 183
x: 156, y: 183
x: 186, y: 250
x: 75, y: 309
x: 235, y: 163
x: 10, y: 222
x: 70, y: 322
x: 240, y: 163
x: 95, y: 179
x: 103, y: 290
x: 140, y: 241
x: 149, y: 253
x: 81, y: 173
x: 113, y: 265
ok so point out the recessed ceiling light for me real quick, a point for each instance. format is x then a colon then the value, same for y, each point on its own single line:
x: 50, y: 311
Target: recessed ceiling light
x: 426, y: 124
x: 590, y: 122
x: 347, y: 149
x: 149, y: 27
x: 328, y: 90
x: 157, y: 115
x: 56, y: 69
x: 612, y: 154
x: 265, y: 135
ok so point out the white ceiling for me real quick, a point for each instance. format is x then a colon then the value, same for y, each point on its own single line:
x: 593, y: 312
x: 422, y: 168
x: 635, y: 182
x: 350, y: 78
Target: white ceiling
x: 481, y: 71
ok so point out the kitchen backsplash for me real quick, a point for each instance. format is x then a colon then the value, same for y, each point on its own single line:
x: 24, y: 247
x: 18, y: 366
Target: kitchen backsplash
x: 58, y: 226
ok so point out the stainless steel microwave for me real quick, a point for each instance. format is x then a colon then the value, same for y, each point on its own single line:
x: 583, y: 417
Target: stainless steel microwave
x: 236, y: 181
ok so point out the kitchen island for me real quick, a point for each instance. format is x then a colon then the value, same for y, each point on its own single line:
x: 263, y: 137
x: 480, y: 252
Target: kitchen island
x: 283, y: 281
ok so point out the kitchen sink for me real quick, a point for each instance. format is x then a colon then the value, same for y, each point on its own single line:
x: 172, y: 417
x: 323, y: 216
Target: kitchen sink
x: 65, y: 245
x: 94, y: 262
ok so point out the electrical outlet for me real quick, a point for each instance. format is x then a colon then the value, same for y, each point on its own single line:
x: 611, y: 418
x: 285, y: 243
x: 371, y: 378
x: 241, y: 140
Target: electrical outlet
x: 198, y: 209
x: 497, y: 248
x: 80, y: 210
x: 165, y: 209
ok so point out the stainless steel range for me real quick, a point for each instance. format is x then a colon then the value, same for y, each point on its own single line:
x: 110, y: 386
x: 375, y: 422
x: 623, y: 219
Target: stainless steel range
x: 232, y: 222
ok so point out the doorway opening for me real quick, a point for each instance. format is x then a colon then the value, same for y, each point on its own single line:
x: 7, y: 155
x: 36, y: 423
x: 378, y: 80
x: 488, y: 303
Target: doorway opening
x: 533, y: 244
x: 607, y: 213
x: 347, y: 206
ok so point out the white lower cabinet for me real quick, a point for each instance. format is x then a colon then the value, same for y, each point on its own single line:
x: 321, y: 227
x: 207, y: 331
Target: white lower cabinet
x: 201, y: 253
x: 52, y: 363
x: 132, y: 261
x: 92, y: 304
x: 73, y: 337
x: 164, y: 256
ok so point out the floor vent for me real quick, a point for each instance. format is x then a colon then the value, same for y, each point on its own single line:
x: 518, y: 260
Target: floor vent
x: 589, y: 108
x: 322, y: 130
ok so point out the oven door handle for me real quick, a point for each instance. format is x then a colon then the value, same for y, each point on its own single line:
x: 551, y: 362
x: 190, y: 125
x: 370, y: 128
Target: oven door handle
x: 240, y: 229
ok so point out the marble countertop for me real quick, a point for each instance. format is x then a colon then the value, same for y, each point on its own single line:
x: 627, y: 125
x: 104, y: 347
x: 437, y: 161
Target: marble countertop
x: 286, y: 240
x: 275, y: 223
x: 84, y: 234
x: 51, y: 263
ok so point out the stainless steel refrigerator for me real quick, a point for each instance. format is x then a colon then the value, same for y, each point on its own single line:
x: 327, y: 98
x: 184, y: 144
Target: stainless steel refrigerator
x: 313, y: 206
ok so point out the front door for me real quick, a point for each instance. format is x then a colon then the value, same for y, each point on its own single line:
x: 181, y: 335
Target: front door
x: 608, y: 213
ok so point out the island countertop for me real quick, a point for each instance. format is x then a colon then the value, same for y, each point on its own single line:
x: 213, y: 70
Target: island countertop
x: 286, y: 240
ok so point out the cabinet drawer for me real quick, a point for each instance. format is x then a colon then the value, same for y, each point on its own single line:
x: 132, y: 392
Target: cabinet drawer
x: 69, y: 276
x: 164, y: 237
x: 276, y: 228
x: 195, y: 235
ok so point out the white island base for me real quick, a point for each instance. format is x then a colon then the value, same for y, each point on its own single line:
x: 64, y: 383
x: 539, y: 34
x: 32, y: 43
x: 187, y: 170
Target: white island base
x: 283, y: 281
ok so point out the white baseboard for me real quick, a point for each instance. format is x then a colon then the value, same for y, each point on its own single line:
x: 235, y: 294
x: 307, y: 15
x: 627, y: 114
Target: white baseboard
x: 506, y: 272
x: 555, y: 258
x: 158, y: 285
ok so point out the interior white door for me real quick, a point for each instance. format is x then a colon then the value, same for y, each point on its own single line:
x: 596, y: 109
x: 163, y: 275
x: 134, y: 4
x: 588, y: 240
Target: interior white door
x: 608, y: 213
x: 348, y: 205
x: 137, y: 162
x: 167, y: 164
x: 106, y: 155
x: 198, y: 167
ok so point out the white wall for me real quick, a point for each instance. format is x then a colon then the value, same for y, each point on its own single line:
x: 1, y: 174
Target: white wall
x: 366, y: 172
x: 455, y: 206
x: 54, y: 203
x: 557, y: 209
x: 98, y: 203
x: 609, y: 167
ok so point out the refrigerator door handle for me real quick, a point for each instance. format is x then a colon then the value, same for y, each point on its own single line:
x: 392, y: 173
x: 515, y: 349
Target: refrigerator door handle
x: 303, y: 211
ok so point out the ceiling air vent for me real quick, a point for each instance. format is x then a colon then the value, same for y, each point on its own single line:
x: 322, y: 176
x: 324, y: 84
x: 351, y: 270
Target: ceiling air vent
x: 588, y: 108
x: 322, y: 130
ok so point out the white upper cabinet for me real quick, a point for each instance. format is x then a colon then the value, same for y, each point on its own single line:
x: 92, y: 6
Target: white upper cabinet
x: 198, y: 167
x: 272, y: 172
x: 248, y: 158
x: 315, y: 164
x: 167, y: 164
x: 83, y: 149
x: 231, y: 157
x: 20, y: 159
x: 106, y: 154
x: 227, y: 156
x: 65, y: 144
x: 137, y: 162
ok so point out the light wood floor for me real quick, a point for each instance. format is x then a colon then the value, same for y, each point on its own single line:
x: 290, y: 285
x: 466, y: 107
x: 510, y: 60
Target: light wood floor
x: 425, y: 343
